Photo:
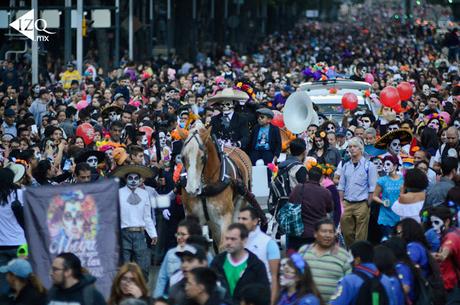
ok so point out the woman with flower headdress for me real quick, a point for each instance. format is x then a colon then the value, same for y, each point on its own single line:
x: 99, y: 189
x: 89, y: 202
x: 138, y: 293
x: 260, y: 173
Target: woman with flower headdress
x: 296, y: 280
x: 322, y: 152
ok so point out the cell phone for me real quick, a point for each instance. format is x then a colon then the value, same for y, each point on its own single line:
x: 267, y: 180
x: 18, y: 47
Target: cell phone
x: 34, y: 129
x: 67, y: 165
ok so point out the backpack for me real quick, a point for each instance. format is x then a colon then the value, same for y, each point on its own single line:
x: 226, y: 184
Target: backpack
x: 290, y: 219
x: 280, y: 187
x: 372, y: 291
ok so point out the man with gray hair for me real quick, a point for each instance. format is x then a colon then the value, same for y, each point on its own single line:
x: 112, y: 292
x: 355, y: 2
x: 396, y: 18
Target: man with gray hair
x: 370, y: 137
x: 356, y: 185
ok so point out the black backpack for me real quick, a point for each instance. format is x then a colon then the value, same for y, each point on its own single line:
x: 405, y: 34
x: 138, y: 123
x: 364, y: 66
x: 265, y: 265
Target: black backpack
x: 372, y: 291
x: 280, y: 188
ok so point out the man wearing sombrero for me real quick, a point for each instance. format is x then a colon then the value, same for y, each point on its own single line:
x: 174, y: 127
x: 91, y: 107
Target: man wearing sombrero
x: 230, y: 127
x: 135, y: 216
x: 393, y: 142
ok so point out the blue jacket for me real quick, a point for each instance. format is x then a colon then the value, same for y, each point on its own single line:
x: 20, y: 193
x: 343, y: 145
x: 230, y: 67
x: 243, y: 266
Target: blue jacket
x: 348, y: 287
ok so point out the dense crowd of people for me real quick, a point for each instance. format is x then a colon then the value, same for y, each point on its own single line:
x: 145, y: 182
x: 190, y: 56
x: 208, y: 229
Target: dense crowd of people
x: 369, y: 205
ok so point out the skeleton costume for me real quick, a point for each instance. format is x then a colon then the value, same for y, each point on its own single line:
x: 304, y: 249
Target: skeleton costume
x: 393, y: 142
x: 135, y: 216
x: 230, y: 127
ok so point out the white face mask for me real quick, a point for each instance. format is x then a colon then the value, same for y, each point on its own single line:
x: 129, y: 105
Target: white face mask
x: 287, y: 281
x: 388, y: 167
x: 395, y: 147
x: 133, y: 181
x: 438, y: 224
x: 92, y: 161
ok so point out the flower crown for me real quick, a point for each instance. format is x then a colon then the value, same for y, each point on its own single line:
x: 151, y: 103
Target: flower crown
x: 246, y: 88
x: 299, y: 262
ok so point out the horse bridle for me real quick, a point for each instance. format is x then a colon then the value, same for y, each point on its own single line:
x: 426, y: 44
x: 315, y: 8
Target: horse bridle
x: 201, y: 146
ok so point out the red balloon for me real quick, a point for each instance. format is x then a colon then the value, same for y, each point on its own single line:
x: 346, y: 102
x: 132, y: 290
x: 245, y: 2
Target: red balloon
x: 278, y: 119
x: 86, y: 131
x: 350, y: 101
x: 404, y: 90
x: 398, y: 108
x: 389, y: 96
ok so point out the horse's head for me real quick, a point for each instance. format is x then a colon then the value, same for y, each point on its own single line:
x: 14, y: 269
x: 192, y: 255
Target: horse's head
x: 194, y: 156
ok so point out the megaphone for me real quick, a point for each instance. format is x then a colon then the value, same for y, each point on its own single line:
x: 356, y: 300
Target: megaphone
x: 298, y: 112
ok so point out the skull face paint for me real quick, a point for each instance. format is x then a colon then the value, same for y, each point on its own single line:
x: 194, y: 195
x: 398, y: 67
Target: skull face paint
x: 320, y: 120
x: 162, y: 139
x: 395, y: 147
x: 330, y: 128
x: 438, y: 224
x: 426, y: 90
x: 227, y: 107
x: 365, y: 122
x: 457, y: 124
x: 92, y: 161
x: 434, y: 124
x: 378, y: 164
x: 388, y: 167
x: 113, y: 116
x: 133, y: 181
x: 349, y: 134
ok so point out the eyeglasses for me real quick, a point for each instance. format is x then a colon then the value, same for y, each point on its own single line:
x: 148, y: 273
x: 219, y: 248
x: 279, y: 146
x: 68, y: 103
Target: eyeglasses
x: 55, y: 269
x: 180, y: 234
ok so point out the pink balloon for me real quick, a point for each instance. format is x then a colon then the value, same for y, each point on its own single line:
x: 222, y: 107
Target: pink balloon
x: 369, y: 78
x: 82, y: 105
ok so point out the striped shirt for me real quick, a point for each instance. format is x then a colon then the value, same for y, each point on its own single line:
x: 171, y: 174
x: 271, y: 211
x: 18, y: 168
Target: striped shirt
x: 327, y: 269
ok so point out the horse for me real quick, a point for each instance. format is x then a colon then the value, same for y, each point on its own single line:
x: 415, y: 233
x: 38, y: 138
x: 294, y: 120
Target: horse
x: 217, y: 181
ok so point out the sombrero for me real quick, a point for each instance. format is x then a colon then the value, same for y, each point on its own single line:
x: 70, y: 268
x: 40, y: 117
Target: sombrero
x: 85, y: 154
x: 19, y: 171
x: 107, y: 110
x: 403, y: 135
x: 142, y: 171
x: 228, y: 94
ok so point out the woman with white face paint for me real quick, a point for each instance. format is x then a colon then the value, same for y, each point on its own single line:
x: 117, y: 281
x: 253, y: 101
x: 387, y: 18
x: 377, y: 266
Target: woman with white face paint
x: 296, y: 280
x: 386, y: 193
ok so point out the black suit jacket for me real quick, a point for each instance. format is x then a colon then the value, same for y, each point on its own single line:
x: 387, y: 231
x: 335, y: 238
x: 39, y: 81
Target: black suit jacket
x: 274, y: 139
x: 237, y: 131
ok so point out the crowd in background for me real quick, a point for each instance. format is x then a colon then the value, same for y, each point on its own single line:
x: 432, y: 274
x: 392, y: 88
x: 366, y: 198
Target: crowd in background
x: 379, y: 192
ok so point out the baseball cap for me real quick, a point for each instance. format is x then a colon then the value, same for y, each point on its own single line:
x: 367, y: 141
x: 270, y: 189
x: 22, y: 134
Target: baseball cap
x: 341, y: 132
x: 194, y: 251
x: 117, y: 96
x: 19, y: 267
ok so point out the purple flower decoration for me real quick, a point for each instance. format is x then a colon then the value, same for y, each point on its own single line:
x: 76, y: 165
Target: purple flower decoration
x: 308, y: 72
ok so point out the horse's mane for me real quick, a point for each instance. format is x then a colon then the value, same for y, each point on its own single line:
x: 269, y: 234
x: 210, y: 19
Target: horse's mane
x: 197, y: 126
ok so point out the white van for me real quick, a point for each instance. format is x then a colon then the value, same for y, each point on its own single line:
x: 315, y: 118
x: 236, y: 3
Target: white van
x: 329, y: 104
